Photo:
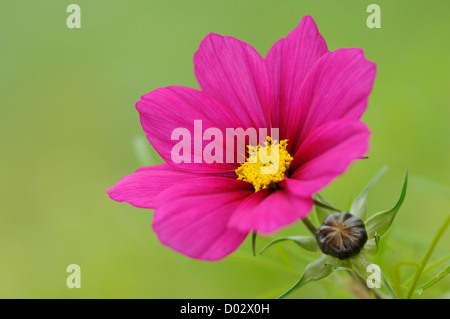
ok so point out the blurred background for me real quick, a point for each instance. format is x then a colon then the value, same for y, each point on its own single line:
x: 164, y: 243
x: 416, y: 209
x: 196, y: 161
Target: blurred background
x: 69, y: 131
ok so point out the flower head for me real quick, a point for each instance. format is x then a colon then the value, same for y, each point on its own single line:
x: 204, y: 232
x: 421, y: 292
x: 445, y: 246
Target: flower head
x: 205, y: 207
x: 265, y: 174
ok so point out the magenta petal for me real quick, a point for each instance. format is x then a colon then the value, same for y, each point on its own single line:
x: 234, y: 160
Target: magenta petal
x: 337, y: 87
x: 326, y: 153
x: 235, y: 74
x: 289, y: 61
x: 166, y: 109
x: 140, y: 188
x: 192, y: 218
x: 267, y: 211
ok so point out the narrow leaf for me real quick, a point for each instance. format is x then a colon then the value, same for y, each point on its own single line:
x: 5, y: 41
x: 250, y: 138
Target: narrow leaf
x: 316, y: 270
x: 441, y: 275
x: 380, y: 222
x: 377, y: 239
x: 306, y: 242
x: 323, y: 208
x: 372, y: 245
x: 427, y: 256
x: 359, y: 204
x: 340, y: 266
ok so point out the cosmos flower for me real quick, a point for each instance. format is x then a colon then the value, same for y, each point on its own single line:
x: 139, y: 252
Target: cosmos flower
x: 205, y: 209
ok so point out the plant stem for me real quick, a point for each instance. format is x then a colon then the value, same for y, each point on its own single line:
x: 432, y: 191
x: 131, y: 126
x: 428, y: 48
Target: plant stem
x: 310, y: 225
x: 254, y: 243
x: 320, y: 204
x: 363, y: 284
x: 426, y: 257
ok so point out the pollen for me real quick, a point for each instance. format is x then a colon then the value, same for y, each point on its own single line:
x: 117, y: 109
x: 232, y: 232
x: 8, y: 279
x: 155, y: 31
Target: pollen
x: 266, y: 165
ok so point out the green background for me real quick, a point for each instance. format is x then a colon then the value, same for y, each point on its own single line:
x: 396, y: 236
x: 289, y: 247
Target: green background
x: 69, y: 131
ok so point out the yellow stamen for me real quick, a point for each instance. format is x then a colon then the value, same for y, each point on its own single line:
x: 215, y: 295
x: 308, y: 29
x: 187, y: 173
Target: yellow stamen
x: 262, y: 168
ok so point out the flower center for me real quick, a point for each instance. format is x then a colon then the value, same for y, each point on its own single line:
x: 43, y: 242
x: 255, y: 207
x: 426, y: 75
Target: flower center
x: 265, y: 165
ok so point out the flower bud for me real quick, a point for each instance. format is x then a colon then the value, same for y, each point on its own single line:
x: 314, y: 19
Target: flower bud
x: 341, y: 235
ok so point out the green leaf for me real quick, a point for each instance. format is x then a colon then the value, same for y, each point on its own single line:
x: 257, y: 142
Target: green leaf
x: 360, y: 264
x: 377, y: 239
x: 372, y: 245
x: 306, y: 242
x: 427, y: 256
x: 441, y: 275
x: 359, y: 204
x: 436, y: 263
x: 343, y: 265
x: 318, y: 269
x: 380, y: 222
x: 323, y: 208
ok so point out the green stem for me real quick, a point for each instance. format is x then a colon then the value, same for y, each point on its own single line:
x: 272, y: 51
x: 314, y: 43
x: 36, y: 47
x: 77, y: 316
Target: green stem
x: 254, y: 243
x: 396, y: 275
x: 427, y: 269
x: 320, y: 204
x: 362, y: 283
x: 427, y: 257
x: 310, y: 225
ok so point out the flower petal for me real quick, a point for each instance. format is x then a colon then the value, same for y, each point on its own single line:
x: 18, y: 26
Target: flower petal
x: 166, y: 109
x: 266, y: 210
x: 337, y: 87
x: 235, y: 74
x: 325, y: 154
x: 289, y: 61
x: 140, y: 188
x: 192, y: 218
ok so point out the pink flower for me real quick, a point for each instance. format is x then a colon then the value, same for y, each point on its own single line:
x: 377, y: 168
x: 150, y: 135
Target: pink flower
x: 315, y: 97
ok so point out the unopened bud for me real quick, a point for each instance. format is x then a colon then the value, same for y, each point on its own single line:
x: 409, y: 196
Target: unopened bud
x: 341, y: 235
